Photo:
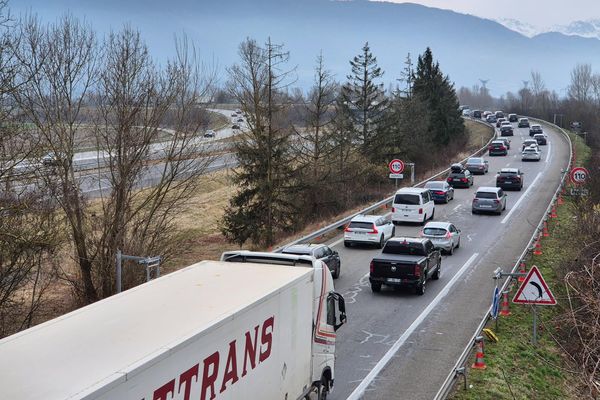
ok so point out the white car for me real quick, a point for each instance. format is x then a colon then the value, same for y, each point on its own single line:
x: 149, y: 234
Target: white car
x: 505, y: 123
x: 531, y: 153
x: 443, y: 235
x: 413, y: 205
x: 210, y: 134
x: 369, y: 229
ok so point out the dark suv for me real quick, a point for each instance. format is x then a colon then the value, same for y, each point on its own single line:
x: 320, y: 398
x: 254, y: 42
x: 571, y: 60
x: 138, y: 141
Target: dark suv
x: 506, y: 130
x: 513, y: 118
x: 320, y: 252
x: 497, y: 148
x: 510, y: 178
x: 459, y: 177
x: 477, y: 114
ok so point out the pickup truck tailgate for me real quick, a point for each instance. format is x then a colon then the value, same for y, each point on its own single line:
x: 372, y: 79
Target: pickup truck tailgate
x: 392, y: 269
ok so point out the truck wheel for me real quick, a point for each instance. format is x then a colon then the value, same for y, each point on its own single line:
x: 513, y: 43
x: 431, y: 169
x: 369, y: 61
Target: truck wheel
x: 421, y: 288
x: 323, y: 389
x: 438, y: 272
x: 376, y: 287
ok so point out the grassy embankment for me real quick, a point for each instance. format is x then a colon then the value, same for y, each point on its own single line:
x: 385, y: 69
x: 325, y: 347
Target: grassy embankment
x: 516, y: 369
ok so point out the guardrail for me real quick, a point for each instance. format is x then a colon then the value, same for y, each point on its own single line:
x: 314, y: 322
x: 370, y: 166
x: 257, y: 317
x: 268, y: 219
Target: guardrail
x: 344, y: 221
x: 452, y: 376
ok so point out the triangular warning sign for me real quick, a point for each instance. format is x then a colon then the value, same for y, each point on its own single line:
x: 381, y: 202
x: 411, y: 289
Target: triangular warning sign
x: 534, y: 290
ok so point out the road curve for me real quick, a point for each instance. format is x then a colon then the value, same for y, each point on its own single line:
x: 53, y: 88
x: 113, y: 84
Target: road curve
x: 398, y: 345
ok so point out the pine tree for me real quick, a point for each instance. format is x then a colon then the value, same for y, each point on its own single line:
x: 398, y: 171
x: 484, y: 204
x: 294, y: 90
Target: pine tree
x: 365, y: 99
x: 265, y: 204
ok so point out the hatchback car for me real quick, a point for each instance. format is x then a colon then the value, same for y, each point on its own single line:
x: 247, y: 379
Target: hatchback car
x: 506, y: 130
x: 510, y: 178
x: 535, y: 128
x: 477, y: 165
x: 528, y: 143
x: 444, y: 235
x: 523, y: 123
x: 499, y: 122
x: 505, y: 140
x: 541, y: 139
x: 489, y: 200
x: 369, y: 229
x: 531, y: 154
x: 498, y: 148
x: 513, y: 118
x: 459, y: 177
x: 441, y: 191
x: 209, y: 134
x: 321, y: 252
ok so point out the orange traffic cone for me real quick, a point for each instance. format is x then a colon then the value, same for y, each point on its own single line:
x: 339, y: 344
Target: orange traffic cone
x: 545, y: 232
x: 553, y: 212
x: 522, y: 270
x: 479, y: 362
x: 505, y: 311
x: 560, y: 199
x: 538, y: 247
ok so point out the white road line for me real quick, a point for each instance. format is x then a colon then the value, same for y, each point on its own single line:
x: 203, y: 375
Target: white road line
x: 521, y: 198
x: 508, y: 165
x: 549, y: 157
x: 457, y: 207
x: 336, y: 242
x: 364, y: 384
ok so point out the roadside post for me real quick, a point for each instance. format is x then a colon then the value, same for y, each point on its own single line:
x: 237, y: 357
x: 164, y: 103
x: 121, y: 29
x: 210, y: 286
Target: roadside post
x: 150, y: 263
x: 396, y: 167
x: 534, y: 291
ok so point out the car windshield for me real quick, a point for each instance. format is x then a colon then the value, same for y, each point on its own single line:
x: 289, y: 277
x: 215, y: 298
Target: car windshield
x: 409, y: 248
x: 361, y: 225
x: 435, y: 231
x: 475, y: 161
x: 408, y: 199
x: 530, y: 150
x: 505, y: 173
x: 434, y: 185
x: 485, y: 195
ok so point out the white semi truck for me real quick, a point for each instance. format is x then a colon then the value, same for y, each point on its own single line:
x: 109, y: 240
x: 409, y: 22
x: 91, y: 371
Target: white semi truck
x: 251, y: 326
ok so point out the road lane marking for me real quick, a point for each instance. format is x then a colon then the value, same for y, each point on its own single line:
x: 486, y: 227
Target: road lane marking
x: 521, y: 198
x: 336, y: 242
x: 457, y: 207
x: 364, y: 384
x: 549, y: 157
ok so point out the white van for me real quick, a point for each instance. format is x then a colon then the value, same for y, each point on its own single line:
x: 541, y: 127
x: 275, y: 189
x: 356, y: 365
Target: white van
x: 412, y: 205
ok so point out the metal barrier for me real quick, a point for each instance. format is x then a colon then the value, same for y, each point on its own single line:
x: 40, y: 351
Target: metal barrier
x: 452, y: 376
x: 344, y: 221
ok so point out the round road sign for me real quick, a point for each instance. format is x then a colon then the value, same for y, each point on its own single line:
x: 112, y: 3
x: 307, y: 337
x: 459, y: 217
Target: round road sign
x: 579, y: 175
x: 396, y: 166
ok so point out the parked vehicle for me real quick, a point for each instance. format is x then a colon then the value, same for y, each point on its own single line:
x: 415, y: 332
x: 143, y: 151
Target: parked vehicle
x: 182, y: 333
x: 412, y: 205
x: 541, y: 139
x: 368, y: 229
x: 523, y: 123
x: 210, y: 134
x: 576, y: 126
x: 444, y: 235
x: 441, y: 191
x: 405, y: 262
x: 499, y: 122
x: 506, y: 130
x: 535, y: 128
x: 513, y: 118
x: 489, y: 199
x: 235, y: 126
x: 531, y: 154
x: 529, y: 143
x: 240, y: 120
x: 477, y: 165
x: 510, y: 178
x: 53, y: 159
x: 497, y: 147
x: 321, y: 252
x: 459, y: 176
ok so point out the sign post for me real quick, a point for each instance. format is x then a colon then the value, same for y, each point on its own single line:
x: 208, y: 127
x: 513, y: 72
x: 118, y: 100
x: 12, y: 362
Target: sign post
x: 534, y: 291
x: 396, y: 168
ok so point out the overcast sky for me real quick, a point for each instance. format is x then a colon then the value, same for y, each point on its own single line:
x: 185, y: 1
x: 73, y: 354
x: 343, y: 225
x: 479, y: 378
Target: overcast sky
x: 535, y: 12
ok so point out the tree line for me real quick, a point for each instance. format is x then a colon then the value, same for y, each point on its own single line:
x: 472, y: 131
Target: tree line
x: 306, y: 156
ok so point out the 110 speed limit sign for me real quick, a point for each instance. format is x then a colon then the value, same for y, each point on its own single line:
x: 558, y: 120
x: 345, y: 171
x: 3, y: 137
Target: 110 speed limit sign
x: 579, y: 175
x: 396, y: 166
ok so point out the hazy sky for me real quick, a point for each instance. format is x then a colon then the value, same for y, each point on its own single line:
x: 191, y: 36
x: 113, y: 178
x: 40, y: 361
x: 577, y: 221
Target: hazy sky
x: 536, y: 12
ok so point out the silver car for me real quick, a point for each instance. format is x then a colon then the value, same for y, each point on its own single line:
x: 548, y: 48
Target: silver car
x: 443, y: 235
x: 477, y: 165
x: 489, y: 200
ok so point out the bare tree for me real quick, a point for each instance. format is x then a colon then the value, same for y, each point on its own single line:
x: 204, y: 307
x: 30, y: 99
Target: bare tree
x: 581, y: 83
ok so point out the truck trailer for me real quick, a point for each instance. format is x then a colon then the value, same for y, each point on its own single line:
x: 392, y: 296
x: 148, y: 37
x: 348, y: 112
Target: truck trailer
x: 252, y: 326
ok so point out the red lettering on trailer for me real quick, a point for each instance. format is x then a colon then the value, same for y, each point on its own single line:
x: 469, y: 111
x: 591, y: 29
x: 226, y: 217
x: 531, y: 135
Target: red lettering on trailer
x: 250, y: 350
x: 162, y: 392
x: 186, y: 380
x: 230, y: 368
x: 208, y: 379
x: 267, y: 338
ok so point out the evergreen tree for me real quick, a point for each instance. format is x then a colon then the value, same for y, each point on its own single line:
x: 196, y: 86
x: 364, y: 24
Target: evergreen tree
x: 265, y: 204
x: 365, y: 100
x: 437, y: 92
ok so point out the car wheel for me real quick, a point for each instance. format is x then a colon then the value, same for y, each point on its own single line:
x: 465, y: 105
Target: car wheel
x: 473, y: 212
x: 336, y: 273
x: 438, y: 272
x: 376, y: 287
x: 447, y: 199
x: 458, y: 244
x: 393, y: 231
x: 346, y: 244
x: 451, y: 251
x: 424, y: 220
x: 381, y: 241
x: 421, y: 288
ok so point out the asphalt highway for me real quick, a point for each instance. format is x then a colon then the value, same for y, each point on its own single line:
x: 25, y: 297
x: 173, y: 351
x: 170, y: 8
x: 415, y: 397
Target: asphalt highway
x: 397, y: 345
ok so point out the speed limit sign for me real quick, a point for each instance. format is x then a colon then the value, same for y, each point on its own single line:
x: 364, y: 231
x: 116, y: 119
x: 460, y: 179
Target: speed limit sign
x: 579, y: 175
x: 396, y: 166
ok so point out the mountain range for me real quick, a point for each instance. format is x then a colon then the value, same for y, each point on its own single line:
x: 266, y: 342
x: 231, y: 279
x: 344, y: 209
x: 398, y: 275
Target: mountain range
x: 468, y: 48
x: 587, y: 29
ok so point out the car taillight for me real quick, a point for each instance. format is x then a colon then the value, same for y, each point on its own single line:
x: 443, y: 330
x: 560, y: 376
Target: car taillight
x: 497, y: 201
x: 440, y: 193
x: 393, y: 209
x: 347, y: 229
x: 449, y: 179
x: 464, y: 180
x: 420, y: 211
x: 374, y: 231
x: 417, y: 270
x: 448, y: 235
x: 490, y: 147
x: 502, y: 147
x: 475, y: 200
x: 372, y: 267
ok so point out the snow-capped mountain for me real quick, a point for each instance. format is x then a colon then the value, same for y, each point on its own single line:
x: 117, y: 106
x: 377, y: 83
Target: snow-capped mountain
x: 587, y: 29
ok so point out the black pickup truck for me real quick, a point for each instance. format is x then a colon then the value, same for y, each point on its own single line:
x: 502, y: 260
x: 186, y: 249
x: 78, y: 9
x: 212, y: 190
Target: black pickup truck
x: 406, y: 262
